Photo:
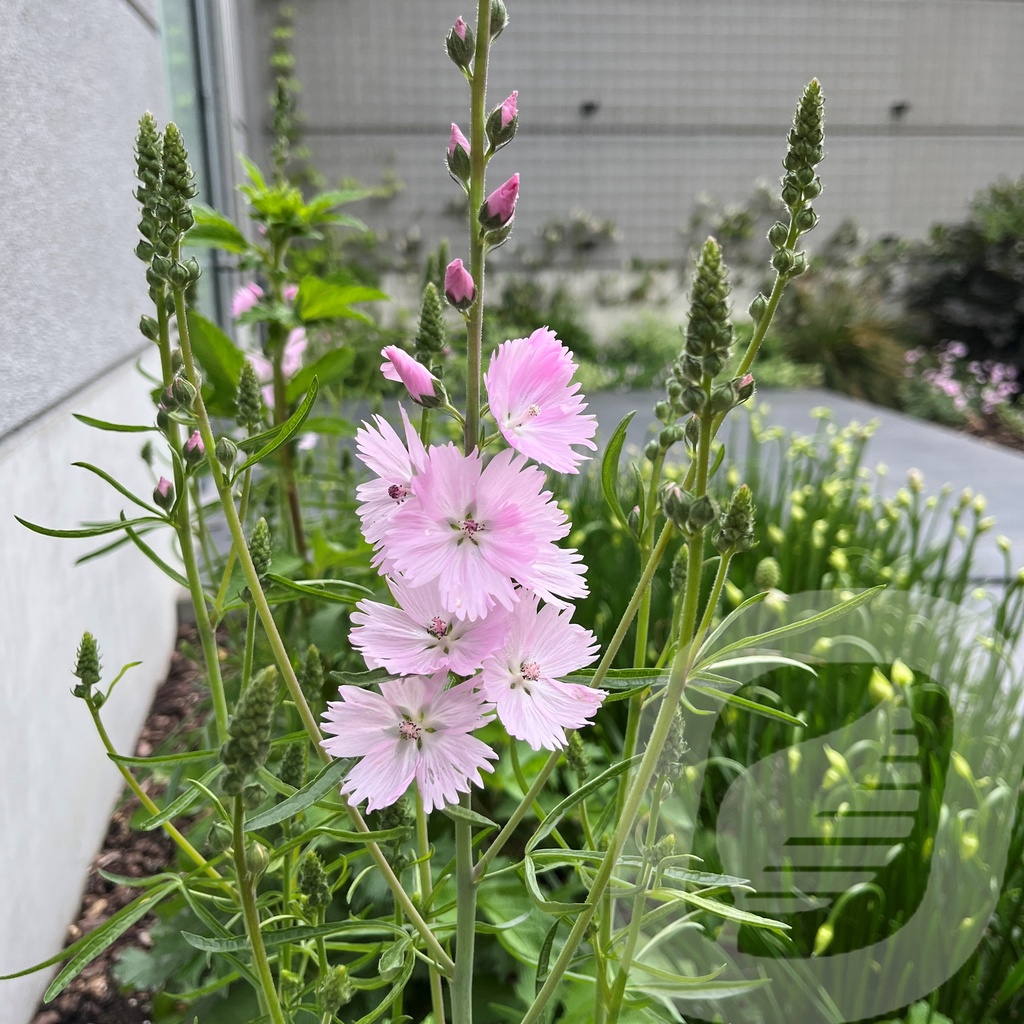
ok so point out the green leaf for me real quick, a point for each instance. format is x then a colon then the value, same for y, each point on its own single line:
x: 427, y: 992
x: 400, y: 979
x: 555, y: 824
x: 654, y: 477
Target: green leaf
x: 157, y: 760
x: 319, y: 299
x: 183, y: 802
x: 155, y: 558
x: 393, y: 957
x: 287, y: 430
x: 459, y: 813
x: 213, y: 230
x: 331, y: 426
x: 1014, y: 980
x: 543, y: 903
x: 719, y: 909
x: 610, y: 469
x: 396, y: 990
x: 315, y: 789
x: 300, y: 933
x: 544, y: 957
x: 88, y: 947
x: 340, y: 591
x: 332, y: 366
x: 88, y: 531
x: 801, y: 626
x: 122, y: 428
x: 555, y: 815
x: 221, y: 361
x: 617, y: 678
x: 746, y: 705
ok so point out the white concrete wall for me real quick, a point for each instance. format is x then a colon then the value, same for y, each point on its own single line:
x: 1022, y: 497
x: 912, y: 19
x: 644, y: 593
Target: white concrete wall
x: 692, y: 97
x: 76, y: 78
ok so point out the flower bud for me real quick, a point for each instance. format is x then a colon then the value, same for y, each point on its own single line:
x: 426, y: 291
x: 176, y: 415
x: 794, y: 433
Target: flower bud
x: 312, y: 881
x: 736, y: 525
x: 418, y: 380
x: 334, y: 991
x: 758, y: 308
x: 458, y: 155
x: 192, y: 269
x: 249, y: 398
x: 806, y: 219
x: 676, y: 505
x: 633, y: 520
x: 312, y: 677
x: 702, y: 513
x: 503, y: 122
x: 778, y: 234
x: 783, y: 260
x: 744, y: 387
x: 577, y: 758
x: 218, y: 839
x: 183, y: 393
x: 294, y: 762
x: 692, y: 432
x: 459, y: 289
x: 499, y: 207
x: 651, y: 451
x: 163, y: 494
x: 461, y: 44
x: 663, y: 411
x: 253, y: 795
x: 194, y: 450
x: 768, y: 574
x: 249, y: 731
x: 432, y: 336
x: 499, y: 18
x: 87, y: 665
x: 260, y: 548
x: 226, y: 452
x: 693, y: 399
x: 149, y: 328
x: 257, y: 860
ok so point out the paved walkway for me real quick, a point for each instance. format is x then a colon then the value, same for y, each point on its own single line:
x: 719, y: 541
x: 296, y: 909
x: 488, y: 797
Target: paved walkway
x: 901, y: 442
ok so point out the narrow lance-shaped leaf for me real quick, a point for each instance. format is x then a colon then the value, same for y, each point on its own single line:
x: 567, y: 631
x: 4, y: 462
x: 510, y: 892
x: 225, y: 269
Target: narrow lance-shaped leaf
x: 610, y: 468
x: 289, y: 428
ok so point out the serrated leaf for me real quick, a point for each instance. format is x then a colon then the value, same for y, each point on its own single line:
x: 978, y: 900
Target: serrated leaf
x: 121, y: 428
x: 287, y: 430
x: 314, y: 790
x: 610, y: 468
x: 212, y: 230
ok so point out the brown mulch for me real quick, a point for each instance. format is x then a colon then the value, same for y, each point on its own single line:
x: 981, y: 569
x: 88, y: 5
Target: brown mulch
x: 93, y: 997
x: 998, y: 433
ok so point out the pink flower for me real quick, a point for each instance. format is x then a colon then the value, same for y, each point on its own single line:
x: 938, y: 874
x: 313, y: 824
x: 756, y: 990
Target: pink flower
x: 245, y: 298
x: 535, y: 404
x: 383, y: 451
x: 521, y: 679
x: 421, y: 637
x: 459, y: 288
x: 457, y: 141
x: 509, y: 109
x: 400, y: 366
x: 289, y: 292
x: 413, y: 729
x: 500, y: 206
x: 478, y: 530
x: 460, y: 27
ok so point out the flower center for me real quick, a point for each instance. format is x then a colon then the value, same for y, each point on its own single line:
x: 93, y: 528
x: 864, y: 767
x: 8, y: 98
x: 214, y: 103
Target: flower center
x: 530, y: 670
x: 409, y: 730
x: 470, y: 527
x: 438, y: 627
x: 398, y: 493
x: 531, y: 412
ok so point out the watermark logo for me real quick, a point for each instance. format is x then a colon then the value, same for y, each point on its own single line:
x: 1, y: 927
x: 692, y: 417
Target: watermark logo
x: 858, y: 867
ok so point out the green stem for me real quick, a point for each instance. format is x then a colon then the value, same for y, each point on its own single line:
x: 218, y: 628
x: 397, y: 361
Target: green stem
x: 291, y: 488
x: 179, y: 840
x: 465, y: 921
x: 478, y: 165
x: 247, y: 893
x: 426, y: 883
x: 281, y: 658
x: 250, y: 647
x: 222, y: 590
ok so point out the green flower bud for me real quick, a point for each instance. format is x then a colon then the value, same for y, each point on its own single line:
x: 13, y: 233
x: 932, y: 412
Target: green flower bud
x: 148, y: 160
x: 709, y: 331
x: 226, y: 451
x: 192, y: 268
x: 219, y: 838
x: 249, y: 398
x: 702, y: 513
x: 253, y: 795
x: 294, y: 763
x: 670, y: 762
x: 312, y: 677
x: 312, y: 881
x: 149, y: 328
x: 87, y: 665
x: 183, y: 393
x: 667, y: 438
x: 778, y: 235
x: 736, y: 524
x: 577, y: 758
x: 806, y: 219
x: 651, y: 451
x: 693, y: 399
x: 805, y: 146
x: 758, y: 308
x: 499, y: 18
x: 259, y: 547
x: 768, y: 574
x: 663, y: 412
x: 144, y: 250
x: 783, y: 260
x: 432, y: 336
x: 335, y: 990
x: 633, y: 520
x: 160, y: 268
x: 676, y: 505
x: 178, y: 185
x: 691, y: 431
x: 257, y: 860
x: 396, y: 815
x: 249, y: 731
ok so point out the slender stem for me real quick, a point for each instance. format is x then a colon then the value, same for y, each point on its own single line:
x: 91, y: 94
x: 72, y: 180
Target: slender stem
x: 478, y: 165
x: 465, y: 921
x: 179, y: 840
x: 222, y: 590
x: 426, y: 883
x: 247, y: 893
x: 281, y: 658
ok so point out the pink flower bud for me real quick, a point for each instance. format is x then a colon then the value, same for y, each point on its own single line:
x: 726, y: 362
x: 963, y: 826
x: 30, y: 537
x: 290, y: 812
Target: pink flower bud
x: 163, y: 493
x: 500, y: 206
x: 457, y: 139
x: 289, y: 292
x: 194, y: 450
x: 418, y: 380
x: 509, y: 109
x: 459, y: 288
x: 245, y: 298
x: 460, y: 27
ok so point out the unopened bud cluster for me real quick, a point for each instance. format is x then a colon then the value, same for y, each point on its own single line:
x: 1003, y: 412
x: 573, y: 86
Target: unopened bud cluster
x: 87, y: 666
x: 311, y: 678
x: 736, y: 523
x: 249, y: 399
x: 249, y: 744
x: 313, y: 882
x: 294, y: 762
x: 671, y: 761
x: 687, y: 513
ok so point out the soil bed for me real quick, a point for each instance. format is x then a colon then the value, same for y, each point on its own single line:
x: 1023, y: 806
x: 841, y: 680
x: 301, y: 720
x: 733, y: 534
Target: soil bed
x: 94, y: 996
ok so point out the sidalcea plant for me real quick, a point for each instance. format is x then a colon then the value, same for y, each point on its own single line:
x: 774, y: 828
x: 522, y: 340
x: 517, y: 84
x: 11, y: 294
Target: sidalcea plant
x: 473, y: 651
